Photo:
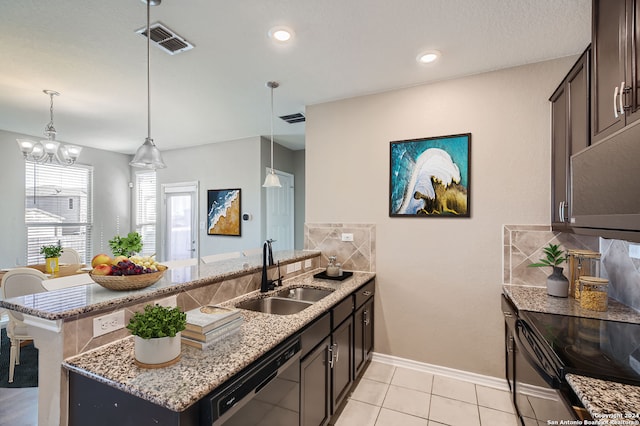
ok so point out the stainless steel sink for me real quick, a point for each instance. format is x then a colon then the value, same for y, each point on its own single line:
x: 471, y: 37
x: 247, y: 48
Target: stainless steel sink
x: 302, y: 293
x: 274, y: 305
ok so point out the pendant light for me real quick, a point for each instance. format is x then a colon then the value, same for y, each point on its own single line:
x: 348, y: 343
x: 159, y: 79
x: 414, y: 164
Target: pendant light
x: 272, y: 181
x: 148, y: 155
x: 50, y: 150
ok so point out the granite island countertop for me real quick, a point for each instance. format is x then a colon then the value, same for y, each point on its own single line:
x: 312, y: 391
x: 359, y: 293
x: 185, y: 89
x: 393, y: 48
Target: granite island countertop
x: 69, y: 302
x: 599, y: 397
x: 198, y: 372
x: 607, y: 400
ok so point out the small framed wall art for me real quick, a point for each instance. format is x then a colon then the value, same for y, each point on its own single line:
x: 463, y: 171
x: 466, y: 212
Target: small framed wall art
x: 429, y: 177
x: 223, y: 212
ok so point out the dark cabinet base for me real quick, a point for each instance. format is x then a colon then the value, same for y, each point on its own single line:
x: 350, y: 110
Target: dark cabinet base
x: 97, y: 404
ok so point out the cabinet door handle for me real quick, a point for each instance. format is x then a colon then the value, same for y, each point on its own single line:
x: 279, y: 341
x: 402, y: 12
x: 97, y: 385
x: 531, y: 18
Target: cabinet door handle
x: 367, y: 293
x: 365, y: 317
x: 621, y: 98
x: 337, y: 351
x: 615, y: 102
x: 561, y: 211
x: 330, y: 355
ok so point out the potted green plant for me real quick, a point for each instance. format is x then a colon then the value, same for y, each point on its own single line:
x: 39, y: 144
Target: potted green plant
x: 51, y: 257
x: 157, y: 333
x: 126, y: 246
x: 557, y: 283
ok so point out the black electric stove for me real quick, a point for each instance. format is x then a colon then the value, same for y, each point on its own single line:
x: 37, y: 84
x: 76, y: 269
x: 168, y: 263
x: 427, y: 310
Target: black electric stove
x: 597, y: 348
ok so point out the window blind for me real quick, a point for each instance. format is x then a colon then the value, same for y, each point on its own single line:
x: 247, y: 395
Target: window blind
x: 58, y: 208
x: 146, y: 210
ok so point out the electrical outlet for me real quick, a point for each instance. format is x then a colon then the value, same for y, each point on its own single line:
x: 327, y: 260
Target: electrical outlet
x: 634, y: 251
x: 291, y: 267
x: 168, y: 302
x: 307, y: 263
x: 347, y: 236
x: 108, y: 323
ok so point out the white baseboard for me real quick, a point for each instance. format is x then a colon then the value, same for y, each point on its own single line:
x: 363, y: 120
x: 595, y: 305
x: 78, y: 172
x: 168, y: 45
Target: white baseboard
x: 478, y: 379
x: 467, y: 376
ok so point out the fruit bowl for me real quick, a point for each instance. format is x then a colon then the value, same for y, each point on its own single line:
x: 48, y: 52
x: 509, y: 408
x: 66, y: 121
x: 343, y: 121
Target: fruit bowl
x: 128, y: 282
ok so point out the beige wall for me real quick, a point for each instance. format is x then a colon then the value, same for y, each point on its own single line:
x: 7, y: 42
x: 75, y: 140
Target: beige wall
x: 439, y: 280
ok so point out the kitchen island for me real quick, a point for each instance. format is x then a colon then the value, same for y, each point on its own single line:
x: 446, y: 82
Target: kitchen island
x: 61, y: 321
x: 199, y: 372
x: 603, y: 399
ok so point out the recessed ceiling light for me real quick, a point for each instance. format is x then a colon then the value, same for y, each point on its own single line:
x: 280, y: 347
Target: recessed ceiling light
x: 281, y: 34
x: 428, y: 57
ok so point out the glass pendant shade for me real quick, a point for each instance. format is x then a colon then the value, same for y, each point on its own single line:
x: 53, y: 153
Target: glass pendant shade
x: 148, y: 156
x: 272, y: 181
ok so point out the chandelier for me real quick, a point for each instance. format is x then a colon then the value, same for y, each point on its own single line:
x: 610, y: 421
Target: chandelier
x: 49, y: 150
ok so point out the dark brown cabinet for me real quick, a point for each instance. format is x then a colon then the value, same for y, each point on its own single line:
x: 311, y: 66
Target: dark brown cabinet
x: 616, y: 88
x: 341, y: 360
x: 334, y: 354
x: 363, y: 322
x: 570, y: 134
x: 315, y: 382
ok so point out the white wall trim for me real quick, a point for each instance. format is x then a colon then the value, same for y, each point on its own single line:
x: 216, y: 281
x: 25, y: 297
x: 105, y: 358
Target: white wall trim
x: 478, y: 379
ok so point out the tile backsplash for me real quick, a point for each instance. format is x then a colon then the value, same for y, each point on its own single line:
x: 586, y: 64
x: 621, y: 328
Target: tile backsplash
x: 356, y: 255
x: 622, y: 270
x: 523, y: 245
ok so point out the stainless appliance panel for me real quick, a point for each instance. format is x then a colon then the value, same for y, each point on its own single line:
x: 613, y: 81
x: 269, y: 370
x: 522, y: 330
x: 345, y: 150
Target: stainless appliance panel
x: 532, y: 376
x: 267, y: 394
x: 605, y: 190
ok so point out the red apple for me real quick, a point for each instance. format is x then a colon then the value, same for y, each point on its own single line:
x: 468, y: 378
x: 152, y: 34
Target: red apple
x: 100, y: 259
x: 102, y: 269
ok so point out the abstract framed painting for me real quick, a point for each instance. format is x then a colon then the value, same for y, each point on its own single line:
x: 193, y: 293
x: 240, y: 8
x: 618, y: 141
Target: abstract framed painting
x: 223, y: 212
x: 429, y: 177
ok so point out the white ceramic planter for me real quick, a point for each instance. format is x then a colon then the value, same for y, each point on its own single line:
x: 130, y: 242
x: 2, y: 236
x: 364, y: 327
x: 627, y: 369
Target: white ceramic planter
x: 157, y: 351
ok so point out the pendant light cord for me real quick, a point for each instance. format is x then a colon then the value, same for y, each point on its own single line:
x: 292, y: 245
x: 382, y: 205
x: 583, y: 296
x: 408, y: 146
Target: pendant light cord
x: 272, y: 129
x: 148, y: 69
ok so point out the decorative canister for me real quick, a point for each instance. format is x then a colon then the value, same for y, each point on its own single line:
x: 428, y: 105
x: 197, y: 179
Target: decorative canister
x: 333, y: 269
x: 582, y: 262
x: 593, y: 293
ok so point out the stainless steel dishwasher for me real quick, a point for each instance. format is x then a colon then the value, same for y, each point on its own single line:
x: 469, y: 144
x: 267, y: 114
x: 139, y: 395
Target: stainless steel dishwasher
x: 268, y: 393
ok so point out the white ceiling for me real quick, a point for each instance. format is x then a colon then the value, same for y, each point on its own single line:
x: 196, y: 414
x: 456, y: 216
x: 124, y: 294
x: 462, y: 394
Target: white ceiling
x: 88, y: 51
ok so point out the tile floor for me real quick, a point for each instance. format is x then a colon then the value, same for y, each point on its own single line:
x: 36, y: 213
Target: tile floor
x: 391, y: 396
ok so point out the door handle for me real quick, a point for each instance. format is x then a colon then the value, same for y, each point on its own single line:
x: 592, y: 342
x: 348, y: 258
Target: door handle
x: 622, y: 90
x: 337, y: 351
x: 365, y: 317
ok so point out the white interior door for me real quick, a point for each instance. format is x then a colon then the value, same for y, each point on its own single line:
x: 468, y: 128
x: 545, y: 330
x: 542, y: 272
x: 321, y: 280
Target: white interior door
x: 280, y: 212
x: 180, y: 214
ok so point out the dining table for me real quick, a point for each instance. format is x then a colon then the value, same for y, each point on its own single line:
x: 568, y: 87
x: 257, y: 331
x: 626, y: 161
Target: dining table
x: 65, y: 270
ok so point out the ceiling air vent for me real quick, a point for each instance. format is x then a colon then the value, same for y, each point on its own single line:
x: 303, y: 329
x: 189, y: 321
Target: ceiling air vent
x: 293, y: 118
x: 166, y: 39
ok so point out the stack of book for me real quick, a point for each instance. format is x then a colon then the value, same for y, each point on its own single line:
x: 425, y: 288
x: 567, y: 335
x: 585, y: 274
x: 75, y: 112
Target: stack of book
x: 210, y: 324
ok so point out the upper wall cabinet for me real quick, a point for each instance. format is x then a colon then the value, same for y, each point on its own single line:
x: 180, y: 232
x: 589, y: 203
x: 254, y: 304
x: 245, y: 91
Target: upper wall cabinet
x: 615, y: 36
x: 570, y: 134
